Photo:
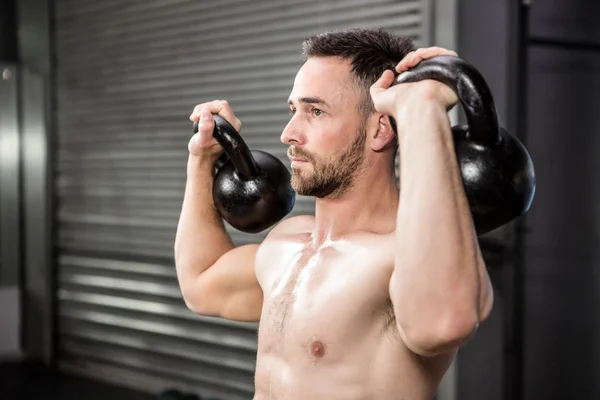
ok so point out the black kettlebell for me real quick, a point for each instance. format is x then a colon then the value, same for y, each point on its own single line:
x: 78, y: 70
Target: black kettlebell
x: 251, y: 189
x: 497, y: 171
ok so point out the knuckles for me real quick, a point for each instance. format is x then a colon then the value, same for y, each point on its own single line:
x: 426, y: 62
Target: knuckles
x: 215, y: 106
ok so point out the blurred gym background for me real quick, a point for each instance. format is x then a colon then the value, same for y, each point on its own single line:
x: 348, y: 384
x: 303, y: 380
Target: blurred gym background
x: 94, y: 105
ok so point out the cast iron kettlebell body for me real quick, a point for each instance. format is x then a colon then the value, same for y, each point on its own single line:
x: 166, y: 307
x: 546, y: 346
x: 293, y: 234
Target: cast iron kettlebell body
x: 251, y: 189
x: 497, y: 171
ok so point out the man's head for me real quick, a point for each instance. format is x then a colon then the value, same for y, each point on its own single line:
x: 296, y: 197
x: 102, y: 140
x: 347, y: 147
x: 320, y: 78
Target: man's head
x: 334, y: 128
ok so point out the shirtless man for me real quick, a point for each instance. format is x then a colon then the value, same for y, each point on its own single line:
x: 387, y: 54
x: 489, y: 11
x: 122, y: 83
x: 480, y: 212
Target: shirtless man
x: 372, y: 296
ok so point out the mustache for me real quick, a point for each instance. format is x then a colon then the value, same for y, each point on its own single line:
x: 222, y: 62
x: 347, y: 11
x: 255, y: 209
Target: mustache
x: 297, y: 152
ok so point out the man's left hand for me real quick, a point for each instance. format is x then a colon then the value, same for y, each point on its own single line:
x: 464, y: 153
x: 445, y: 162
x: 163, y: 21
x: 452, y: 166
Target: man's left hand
x: 387, y: 100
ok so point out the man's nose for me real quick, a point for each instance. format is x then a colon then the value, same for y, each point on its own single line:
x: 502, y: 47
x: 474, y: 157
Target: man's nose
x: 291, y: 134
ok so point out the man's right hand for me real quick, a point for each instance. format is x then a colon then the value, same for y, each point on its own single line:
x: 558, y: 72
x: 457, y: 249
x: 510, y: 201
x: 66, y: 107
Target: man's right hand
x: 218, y: 278
x: 203, y: 143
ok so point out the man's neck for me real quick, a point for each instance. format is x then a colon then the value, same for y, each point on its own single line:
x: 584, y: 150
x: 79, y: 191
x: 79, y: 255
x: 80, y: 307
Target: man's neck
x: 370, y: 206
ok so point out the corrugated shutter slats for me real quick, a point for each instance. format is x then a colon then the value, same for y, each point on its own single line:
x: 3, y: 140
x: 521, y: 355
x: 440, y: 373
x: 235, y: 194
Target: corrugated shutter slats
x: 129, y: 73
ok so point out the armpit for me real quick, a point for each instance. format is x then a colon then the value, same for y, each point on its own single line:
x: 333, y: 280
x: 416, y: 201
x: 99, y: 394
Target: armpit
x: 387, y: 319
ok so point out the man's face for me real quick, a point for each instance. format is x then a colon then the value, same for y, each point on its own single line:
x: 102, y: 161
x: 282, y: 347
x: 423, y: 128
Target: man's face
x: 326, y: 134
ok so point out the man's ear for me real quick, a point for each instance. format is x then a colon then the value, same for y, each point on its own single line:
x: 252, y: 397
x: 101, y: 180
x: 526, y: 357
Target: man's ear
x: 383, y: 133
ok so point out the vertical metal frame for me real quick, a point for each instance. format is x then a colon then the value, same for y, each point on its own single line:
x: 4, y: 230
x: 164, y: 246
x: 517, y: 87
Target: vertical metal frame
x: 34, y: 40
x: 514, y: 333
x: 491, y: 35
x: 10, y: 199
x: 10, y: 211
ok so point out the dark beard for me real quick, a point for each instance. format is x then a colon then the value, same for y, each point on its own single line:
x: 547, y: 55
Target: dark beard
x: 332, y: 177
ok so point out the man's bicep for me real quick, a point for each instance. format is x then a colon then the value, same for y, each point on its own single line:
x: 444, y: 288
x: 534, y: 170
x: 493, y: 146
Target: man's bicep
x: 229, y: 288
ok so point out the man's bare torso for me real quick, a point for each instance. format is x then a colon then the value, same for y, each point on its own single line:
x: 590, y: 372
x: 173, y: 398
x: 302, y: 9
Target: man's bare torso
x: 327, y: 328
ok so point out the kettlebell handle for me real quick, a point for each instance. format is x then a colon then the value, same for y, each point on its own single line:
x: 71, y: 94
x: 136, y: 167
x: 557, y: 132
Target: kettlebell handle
x: 251, y: 189
x: 471, y: 88
x: 235, y: 148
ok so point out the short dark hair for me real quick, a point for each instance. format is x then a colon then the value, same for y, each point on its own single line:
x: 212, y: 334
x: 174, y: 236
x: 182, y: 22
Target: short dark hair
x: 370, y: 52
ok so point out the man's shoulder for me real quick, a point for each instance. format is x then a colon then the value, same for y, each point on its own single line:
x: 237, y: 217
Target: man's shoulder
x: 276, y: 246
x: 296, y: 225
x: 290, y: 230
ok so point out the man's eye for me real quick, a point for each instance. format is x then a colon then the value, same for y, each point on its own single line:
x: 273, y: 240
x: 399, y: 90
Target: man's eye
x: 317, y: 112
x: 292, y: 111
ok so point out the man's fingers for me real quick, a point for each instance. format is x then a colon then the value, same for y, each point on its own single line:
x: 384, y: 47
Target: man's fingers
x: 206, y: 123
x: 435, y: 51
x: 223, y: 108
x: 402, y: 65
x: 195, y: 115
x: 213, y: 107
x: 384, y: 81
x: 220, y: 107
x: 410, y: 62
x: 415, y: 57
x: 378, y: 89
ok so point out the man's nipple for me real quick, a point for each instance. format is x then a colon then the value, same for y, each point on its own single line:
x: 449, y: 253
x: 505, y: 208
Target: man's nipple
x: 317, y: 349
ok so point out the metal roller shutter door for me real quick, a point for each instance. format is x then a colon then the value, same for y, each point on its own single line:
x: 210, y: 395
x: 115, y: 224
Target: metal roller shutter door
x: 128, y: 74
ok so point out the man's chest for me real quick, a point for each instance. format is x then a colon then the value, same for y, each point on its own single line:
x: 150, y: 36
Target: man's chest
x: 319, y: 302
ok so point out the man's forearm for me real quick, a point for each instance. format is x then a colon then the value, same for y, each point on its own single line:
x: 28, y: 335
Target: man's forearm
x: 201, y: 236
x: 436, y: 282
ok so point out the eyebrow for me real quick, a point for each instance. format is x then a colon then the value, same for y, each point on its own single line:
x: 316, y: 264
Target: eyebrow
x: 310, y: 100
